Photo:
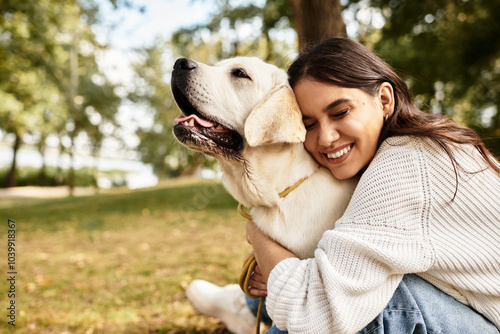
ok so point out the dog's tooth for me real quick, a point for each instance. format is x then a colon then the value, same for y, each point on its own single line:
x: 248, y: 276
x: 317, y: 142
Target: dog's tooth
x: 191, y: 122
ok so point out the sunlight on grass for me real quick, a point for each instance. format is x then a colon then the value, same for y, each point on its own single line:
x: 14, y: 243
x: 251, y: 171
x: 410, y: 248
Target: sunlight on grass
x: 119, y: 263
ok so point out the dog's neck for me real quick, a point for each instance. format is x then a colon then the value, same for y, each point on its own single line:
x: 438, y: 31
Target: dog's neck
x: 266, y: 172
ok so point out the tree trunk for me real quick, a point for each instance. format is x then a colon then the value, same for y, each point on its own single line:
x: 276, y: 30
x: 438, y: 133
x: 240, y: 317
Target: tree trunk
x: 42, y: 176
x: 12, y: 176
x: 59, y: 178
x: 71, y: 172
x: 316, y: 20
x: 95, y: 171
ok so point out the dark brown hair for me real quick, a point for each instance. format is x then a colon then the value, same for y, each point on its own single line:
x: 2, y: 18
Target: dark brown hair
x: 346, y: 63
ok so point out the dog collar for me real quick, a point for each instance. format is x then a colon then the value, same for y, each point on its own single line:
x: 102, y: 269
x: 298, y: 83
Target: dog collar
x: 282, y: 194
x: 289, y: 189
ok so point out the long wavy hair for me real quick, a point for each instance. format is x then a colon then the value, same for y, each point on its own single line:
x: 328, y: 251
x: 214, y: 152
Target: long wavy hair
x: 346, y: 63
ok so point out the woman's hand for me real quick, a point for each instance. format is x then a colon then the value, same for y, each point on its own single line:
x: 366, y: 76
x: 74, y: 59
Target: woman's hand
x: 258, y: 287
x: 268, y: 254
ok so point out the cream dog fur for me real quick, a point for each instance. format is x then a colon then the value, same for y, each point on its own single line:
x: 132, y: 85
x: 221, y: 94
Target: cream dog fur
x: 243, y: 112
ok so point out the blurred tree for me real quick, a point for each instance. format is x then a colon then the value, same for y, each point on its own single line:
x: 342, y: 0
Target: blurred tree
x: 22, y: 79
x: 312, y: 20
x: 91, y: 98
x: 49, y: 75
x: 244, y: 29
x: 449, y: 52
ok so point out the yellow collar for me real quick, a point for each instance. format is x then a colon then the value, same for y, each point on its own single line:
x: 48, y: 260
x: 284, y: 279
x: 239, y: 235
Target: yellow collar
x: 282, y: 194
x: 292, y: 187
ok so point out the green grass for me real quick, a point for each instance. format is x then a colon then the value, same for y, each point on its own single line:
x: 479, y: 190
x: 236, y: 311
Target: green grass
x: 119, y: 262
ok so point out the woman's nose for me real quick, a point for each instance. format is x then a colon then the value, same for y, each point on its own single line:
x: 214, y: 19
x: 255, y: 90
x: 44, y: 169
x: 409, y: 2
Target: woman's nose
x: 327, y: 136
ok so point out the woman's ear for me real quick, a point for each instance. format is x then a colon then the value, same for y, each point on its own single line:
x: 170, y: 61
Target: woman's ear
x: 386, y: 98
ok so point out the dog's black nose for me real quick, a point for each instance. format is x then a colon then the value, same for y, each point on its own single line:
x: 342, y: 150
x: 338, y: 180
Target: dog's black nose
x: 185, y: 64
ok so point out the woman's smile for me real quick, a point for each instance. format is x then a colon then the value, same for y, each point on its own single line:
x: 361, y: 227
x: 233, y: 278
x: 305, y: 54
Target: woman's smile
x: 338, y: 155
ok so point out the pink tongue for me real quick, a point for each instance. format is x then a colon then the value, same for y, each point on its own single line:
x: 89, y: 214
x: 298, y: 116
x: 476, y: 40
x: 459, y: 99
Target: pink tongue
x: 202, y: 122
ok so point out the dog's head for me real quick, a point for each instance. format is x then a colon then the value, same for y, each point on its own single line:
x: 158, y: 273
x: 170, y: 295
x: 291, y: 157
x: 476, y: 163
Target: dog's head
x: 234, y: 104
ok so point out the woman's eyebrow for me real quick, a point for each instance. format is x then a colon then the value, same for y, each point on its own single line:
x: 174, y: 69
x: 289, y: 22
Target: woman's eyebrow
x: 335, y: 103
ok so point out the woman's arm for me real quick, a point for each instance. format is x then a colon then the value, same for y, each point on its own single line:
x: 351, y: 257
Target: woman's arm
x: 268, y: 254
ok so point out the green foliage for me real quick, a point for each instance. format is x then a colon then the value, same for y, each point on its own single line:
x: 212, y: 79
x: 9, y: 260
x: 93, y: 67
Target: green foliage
x: 449, y: 52
x: 242, y: 29
x: 48, y: 72
x: 54, y: 176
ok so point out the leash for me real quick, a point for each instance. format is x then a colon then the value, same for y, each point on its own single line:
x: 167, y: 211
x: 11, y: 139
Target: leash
x: 250, y: 262
x: 246, y: 273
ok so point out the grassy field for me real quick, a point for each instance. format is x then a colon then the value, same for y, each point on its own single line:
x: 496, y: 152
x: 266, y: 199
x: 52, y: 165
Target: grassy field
x: 119, y: 262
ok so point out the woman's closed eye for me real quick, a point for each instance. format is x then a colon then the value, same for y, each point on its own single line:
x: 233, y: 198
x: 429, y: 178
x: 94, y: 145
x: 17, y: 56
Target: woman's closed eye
x: 309, y: 124
x: 341, y: 114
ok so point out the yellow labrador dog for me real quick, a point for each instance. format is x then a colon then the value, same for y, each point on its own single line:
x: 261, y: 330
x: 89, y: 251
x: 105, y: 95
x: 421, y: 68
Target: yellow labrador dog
x: 243, y: 112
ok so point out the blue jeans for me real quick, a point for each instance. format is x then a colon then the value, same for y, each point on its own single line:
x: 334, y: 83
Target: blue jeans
x: 416, y: 307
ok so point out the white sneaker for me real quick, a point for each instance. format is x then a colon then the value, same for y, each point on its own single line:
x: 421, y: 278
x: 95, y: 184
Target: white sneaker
x: 225, y: 303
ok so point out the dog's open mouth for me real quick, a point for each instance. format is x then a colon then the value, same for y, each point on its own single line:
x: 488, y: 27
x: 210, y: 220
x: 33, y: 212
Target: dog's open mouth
x: 198, y: 132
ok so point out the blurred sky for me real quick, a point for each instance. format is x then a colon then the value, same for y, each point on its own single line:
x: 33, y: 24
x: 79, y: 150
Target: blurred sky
x: 135, y: 28
x: 125, y: 29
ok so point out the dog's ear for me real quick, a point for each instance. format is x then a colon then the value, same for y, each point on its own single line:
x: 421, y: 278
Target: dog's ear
x: 277, y: 119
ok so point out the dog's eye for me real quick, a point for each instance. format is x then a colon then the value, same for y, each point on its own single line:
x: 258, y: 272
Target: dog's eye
x: 239, y: 73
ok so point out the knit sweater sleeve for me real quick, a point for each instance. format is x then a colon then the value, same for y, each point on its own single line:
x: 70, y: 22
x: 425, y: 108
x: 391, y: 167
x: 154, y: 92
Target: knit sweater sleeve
x: 382, y: 235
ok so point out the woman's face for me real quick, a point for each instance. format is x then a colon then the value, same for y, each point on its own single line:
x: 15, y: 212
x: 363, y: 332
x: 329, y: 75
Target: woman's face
x: 343, y: 124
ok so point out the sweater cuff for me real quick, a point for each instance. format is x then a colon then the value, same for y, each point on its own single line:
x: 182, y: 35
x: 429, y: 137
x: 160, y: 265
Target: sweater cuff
x: 282, y: 267
x: 278, y: 278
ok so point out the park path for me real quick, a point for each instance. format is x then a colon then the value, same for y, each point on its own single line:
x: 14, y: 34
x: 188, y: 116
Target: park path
x: 41, y: 192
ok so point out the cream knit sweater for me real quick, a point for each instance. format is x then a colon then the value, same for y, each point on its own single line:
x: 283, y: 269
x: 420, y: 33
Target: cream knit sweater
x: 401, y: 219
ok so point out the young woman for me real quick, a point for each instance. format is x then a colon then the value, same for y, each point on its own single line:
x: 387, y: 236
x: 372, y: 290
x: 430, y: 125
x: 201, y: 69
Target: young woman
x: 418, y: 248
